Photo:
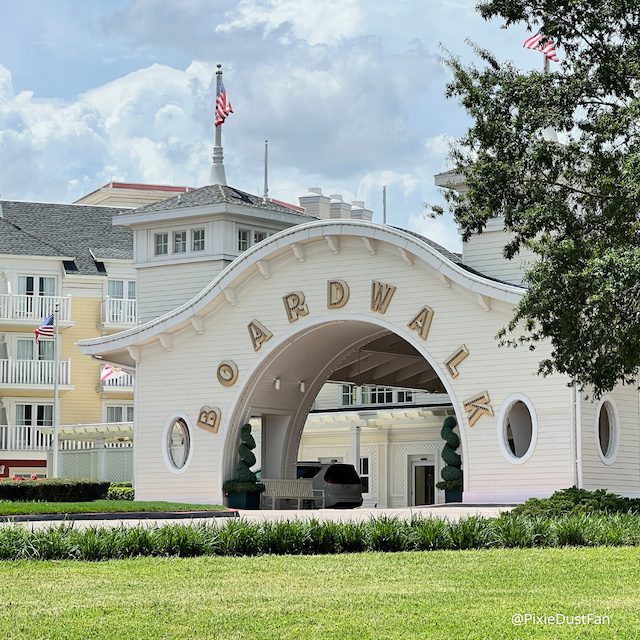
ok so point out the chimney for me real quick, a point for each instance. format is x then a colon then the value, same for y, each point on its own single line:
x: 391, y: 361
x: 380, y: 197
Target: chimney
x: 316, y: 204
x: 359, y: 212
x: 338, y: 207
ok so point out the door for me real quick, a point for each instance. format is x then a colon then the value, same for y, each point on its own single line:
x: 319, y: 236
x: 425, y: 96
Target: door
x: 423, y: 483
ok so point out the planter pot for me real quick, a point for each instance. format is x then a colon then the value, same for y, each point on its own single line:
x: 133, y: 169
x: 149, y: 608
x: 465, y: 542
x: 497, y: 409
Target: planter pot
x: 453, y: 495
x: 244, y: 500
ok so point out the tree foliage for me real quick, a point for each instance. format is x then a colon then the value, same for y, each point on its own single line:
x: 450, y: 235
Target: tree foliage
x: 573, y: 199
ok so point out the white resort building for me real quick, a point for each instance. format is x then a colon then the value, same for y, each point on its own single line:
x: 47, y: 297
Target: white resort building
x: 343, y: 339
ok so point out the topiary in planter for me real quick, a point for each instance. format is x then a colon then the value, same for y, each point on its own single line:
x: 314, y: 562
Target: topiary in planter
x: 451, y: 473
x: 245, y: 480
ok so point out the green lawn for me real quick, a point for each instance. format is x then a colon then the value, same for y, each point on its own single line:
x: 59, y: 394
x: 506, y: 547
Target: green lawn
x: 9, y: 508
x: 441, y: 594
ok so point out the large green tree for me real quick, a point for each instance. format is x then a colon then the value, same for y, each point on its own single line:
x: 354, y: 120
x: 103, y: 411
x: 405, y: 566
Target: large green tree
x: 576, y: 202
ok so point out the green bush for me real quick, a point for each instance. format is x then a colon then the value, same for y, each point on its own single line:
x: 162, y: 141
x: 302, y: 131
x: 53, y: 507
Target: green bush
x: 577, y: 501
x: 53, y: 490
x: 117, y: 491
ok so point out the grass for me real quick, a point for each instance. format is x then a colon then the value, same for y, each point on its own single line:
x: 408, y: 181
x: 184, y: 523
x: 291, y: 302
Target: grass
x: 442, y: 594
x: 10, y: 508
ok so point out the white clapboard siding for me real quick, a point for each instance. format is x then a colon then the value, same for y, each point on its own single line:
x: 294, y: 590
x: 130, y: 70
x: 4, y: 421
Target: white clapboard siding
x: 163, y: 288
x: 484, y: 252
x: 459, y: 319
x: 623, y: 475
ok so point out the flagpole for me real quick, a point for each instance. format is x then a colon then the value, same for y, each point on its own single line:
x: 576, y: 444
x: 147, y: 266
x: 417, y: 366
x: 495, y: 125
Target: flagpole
x: 265, y: 193
x: 56, y: 393
x: 546, y: 67
x: 217, y: 175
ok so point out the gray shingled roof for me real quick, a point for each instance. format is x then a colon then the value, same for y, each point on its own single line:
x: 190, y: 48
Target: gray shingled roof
x: 216, y: 194
x: 455, y: 257
x: 64, y: 230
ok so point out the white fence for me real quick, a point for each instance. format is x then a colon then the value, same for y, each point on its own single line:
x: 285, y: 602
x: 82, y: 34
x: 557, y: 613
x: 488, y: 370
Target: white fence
x: 34, y: 372
x: 15, y: 306
x: 119, y: 311
x: 113, y: 463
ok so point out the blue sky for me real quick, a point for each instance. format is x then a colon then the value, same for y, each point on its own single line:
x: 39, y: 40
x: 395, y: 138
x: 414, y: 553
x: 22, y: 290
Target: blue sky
x: 350, y: 94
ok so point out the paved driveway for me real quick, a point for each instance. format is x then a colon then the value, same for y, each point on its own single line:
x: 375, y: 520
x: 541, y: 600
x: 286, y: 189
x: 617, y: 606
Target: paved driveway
x: 335, y: 515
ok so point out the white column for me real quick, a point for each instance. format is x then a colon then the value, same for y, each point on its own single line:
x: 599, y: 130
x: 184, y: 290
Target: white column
x: 355, y: 446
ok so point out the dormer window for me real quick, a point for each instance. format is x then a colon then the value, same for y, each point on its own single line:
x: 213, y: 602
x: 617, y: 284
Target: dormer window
x: 161, y: 244
x: 243, y: 239
x: 197, y: 240
x: 179, y: 242
x: 259, y: 236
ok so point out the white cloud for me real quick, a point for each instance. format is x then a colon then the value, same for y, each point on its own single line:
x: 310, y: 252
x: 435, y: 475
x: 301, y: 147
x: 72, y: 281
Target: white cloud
x: 441, y: 230
x: 310, y: 20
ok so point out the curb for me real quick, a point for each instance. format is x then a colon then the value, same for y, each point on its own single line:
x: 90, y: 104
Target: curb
x: 127, y: 515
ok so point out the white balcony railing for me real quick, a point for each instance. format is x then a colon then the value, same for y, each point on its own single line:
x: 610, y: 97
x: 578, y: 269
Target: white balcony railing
x: 25, y: 438
x: 14, y: 306
x: 122, y: 380
x: 72, y: 437
x: 33, y: 372
x: 119, y: 311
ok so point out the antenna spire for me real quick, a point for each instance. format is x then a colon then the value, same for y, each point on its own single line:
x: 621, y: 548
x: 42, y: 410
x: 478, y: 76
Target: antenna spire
x: 265, y: 193
x: 223, y: 108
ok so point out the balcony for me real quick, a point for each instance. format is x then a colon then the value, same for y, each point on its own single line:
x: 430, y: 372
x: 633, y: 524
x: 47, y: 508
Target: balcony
x: 24, y: 309
x: 33, y: 373
x: 72, y: 437
x: 122, y: 382
x: 119, y: 312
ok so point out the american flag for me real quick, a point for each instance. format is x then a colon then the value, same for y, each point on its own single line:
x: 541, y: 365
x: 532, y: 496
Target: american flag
x: 540, y: 42
x: 46, y: 328
x: 223, y: 104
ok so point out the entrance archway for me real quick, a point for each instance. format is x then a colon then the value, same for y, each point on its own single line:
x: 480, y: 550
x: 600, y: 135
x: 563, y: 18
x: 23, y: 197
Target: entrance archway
x: 285, y: 383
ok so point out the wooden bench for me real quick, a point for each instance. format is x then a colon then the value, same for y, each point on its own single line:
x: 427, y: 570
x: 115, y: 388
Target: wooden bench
x: 291, y: 490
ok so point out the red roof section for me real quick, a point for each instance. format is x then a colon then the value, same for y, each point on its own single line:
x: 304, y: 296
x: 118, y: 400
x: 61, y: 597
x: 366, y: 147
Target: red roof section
x: 145, y: 187
x: 288, y: 205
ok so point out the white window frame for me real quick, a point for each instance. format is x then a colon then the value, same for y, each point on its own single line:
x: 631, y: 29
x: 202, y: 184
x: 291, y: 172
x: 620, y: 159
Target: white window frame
x: 34, y: 412
x: 156, y: 235
x: 126, y: 288
x: 202, y: 240
x: 125, y: 407
x: 165, y: 439
x: 614, y: 437
x: 179, y: 240
x: 243, y: 241
x: 365, y: 475
x: 36, y: 277
x: 502, y: 431
x: 13, y: 346
x: 257, y: 232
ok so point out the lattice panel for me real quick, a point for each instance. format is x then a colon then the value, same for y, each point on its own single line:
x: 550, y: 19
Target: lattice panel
x: 75, y: 464
x: 118, y: 465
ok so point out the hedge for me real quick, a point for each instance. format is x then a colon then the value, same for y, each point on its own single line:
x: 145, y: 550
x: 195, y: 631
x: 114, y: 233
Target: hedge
x: 239, y: 537
x: 121, y: 491
x: 53, y: 490
x: 576, y: 501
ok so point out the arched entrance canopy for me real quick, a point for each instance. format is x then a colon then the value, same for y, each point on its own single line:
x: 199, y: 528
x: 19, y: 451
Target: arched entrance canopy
x: 124, y: 347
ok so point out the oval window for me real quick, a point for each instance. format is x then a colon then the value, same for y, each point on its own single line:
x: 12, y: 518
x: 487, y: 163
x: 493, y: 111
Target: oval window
x: 178, y: 443
x: 607, y: 431
x: 518, y: 430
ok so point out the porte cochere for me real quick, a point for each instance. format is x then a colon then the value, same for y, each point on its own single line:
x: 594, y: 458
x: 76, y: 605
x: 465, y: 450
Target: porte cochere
x: 296, y: 311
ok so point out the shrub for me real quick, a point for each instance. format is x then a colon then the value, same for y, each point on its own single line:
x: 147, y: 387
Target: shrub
x: 54, y: 490
x: 120, y: 491
x: 431, y: 534
x: 242, y: 538
x: 575, y: 501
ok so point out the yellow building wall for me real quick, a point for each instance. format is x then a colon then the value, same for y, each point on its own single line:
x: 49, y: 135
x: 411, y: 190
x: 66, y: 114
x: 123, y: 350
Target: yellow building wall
x: 83, y: 404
